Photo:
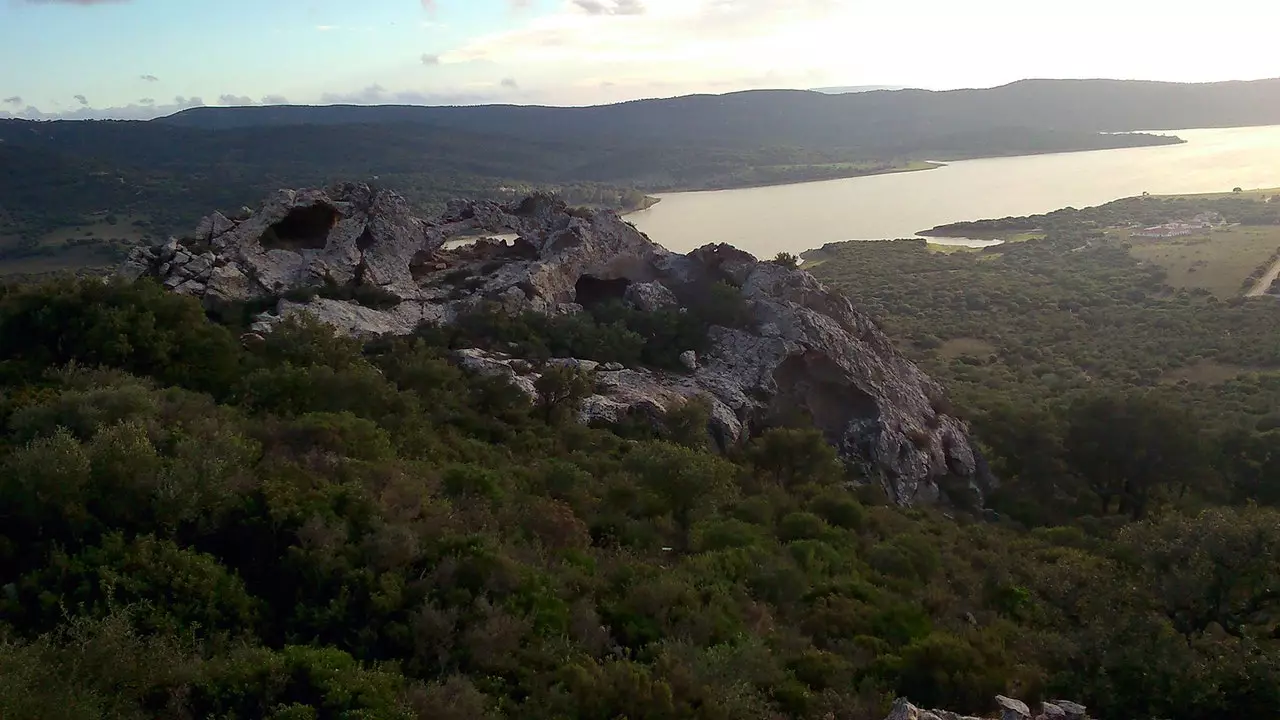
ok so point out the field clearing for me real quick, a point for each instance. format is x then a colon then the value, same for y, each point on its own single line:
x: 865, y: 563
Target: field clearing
x: 966, y: 347
x: 1255, y: 194
x: 1207, y: 372
x: 123, y: 229
x: 1218, y: 261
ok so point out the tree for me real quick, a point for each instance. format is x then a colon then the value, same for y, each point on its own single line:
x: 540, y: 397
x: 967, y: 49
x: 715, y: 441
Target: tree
x: 1129, y: 449
x: 683, y: 482
x: 786, y: 260
x: 560, y: 389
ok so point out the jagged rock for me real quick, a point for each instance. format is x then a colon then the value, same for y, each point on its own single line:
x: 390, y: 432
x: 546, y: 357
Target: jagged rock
x: 1013, y: 709
x: 801, y: 349
x: 1073, y: 711
x: 904, y: 710
x: 213, y: 226
x: 1050, y: 711
x: 689, y: 359
x: 199, y: 267
x: 586, y: 366
x: 649, y: 297
x: 613, y: 366
x: 497, y: 365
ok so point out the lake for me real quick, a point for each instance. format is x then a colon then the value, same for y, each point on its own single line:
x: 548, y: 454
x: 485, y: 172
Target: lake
x: 794, y: 218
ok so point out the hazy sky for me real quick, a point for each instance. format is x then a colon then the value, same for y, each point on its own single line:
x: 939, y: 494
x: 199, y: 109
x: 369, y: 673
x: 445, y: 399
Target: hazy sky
x: 141, y: 58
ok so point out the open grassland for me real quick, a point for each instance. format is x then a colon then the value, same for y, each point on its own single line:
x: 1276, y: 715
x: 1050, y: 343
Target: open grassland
x: 1208, y: 372
x: 1263, y: 194
x: 966, y: 347
x: 1218, y: 261
x: 93, y: 243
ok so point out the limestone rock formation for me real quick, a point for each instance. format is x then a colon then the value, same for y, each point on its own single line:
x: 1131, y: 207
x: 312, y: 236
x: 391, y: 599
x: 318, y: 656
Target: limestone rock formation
x: 356, y: 258
x: 1010, y: 708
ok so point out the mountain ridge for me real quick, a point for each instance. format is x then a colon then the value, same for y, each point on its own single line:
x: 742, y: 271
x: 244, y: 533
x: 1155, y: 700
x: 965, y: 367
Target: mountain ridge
x: 1100, y: 105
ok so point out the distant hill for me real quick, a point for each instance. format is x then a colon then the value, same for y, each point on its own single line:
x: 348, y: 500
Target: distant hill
x: 65, y: 181
x: 876, y: 121
x: 856, y: 88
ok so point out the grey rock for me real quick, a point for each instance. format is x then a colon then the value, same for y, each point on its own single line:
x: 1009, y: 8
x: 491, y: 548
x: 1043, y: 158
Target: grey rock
x: 356, y: 320
x: 227, y: 283
x: 613, y: 366
x: 1073, y: 711
x: 1050, y: 711
x: 213, y: 226
x: 803, y: 349
x: 586, y: 366
x: 904, y: 710
x: 1013, y: 709
x: 139, y: 264
x: 199, y: 267
x: 497, y: 365
x: 649, y: 297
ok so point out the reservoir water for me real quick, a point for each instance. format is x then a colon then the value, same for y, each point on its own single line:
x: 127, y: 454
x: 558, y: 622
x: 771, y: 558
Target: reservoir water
x: 794, y: 218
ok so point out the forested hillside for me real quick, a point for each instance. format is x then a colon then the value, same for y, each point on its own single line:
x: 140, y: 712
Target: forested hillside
x: 871, y: 121
x: 1029, y: 335
x: 304, y: 527
x: 77, y: 194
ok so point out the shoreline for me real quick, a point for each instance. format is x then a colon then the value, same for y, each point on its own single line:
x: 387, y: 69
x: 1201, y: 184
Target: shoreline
x: 913, y: 166
x: 941, y: 231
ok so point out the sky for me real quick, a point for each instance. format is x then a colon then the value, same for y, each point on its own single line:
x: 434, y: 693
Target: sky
x: 146, y: 58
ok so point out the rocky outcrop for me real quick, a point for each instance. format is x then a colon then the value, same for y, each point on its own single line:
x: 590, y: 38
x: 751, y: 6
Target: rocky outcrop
x: 357, y: 258
x: 1010, y: 709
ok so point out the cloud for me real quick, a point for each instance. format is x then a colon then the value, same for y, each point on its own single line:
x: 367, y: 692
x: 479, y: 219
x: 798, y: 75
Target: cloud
x: 75, y: 2
x: 510, y: 84
x: 327, y: 28
x: 376, y: 94
x: 430, y: 59
x: 689, y: 43
x: 147, y: 101
x: 235, y: 100
x: 15, y: 100
x: 84, y: 102
x: 611, y: 7
x: 275, y: 100
x: 149, y: 78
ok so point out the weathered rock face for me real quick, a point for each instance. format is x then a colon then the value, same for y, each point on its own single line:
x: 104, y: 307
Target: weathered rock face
x: 1010, y: 709
x: 356, y: 258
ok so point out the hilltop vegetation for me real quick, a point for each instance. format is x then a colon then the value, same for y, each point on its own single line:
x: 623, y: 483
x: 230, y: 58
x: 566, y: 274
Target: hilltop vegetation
x: 1022, y: 333
x: 312, y: 528
x: 308, y: 527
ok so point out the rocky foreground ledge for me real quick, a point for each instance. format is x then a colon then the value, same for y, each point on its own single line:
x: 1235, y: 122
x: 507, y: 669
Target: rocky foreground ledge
x: 1010, y: 709
x: 381, y: 270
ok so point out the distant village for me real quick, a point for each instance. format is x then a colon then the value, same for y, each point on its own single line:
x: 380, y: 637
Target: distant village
x: 1199, y: 223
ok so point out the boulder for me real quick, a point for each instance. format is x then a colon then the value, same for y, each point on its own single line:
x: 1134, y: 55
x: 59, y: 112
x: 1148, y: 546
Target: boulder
x: 1073, y: 711
x: 1012, y: 709
x: 650, y: 297
x: 799, y: 348
x: 1050, y: 711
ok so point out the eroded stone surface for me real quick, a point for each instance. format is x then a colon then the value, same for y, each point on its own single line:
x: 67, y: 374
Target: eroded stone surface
x: 803, y: 349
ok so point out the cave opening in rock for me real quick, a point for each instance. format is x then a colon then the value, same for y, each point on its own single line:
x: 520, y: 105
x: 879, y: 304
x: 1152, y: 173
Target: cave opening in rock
x: 813, y: 384
x: 590, y: 291
x: 304, y: 228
